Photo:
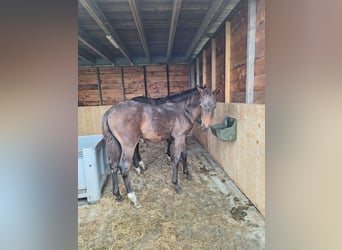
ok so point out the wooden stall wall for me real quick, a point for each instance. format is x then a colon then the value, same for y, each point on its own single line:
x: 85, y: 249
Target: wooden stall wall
x: 133, y: 78
x: 243, y: 159
x: 88, y: 92
x: 111, y: 87
x: 259, y: 65
x: 114, y: 84
x: 156, y: 80
x: 238, y: 53
x: 220, y: 65
x: 178, y: 78
x: 208, y: 65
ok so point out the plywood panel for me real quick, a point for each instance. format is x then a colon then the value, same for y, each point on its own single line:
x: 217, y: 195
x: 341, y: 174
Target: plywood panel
x: 90, y: 119
x: 244, y: 159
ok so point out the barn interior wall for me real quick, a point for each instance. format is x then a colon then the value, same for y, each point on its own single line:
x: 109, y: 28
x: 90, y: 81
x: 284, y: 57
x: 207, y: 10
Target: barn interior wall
x: 114, y: 84
x: 238, y: 53
x: 243, y: 159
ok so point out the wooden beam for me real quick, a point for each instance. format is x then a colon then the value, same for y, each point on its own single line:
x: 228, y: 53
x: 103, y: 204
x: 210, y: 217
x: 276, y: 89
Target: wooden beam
x: 138, y: 23
x: 213, y: 63
x: 192, y: 74
x: 145, y: 81
x: 167, y: 80
x: 197, y: 71
x: 96, y: 13
x: 204, y: 67
x: 122, y: 83
x: 174, y: 19
x: 227, y: 65
x: 250, y: 51
x: 215, y: 6
x: 99, y: 84
x: 87, y: 58
x: 85, y: 39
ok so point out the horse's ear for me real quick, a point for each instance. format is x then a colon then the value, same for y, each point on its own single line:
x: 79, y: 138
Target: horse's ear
x: 217, y: 90
x: 199, y: 89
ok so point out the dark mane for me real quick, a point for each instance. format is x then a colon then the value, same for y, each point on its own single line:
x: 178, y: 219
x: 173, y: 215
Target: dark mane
x: 172, y: 98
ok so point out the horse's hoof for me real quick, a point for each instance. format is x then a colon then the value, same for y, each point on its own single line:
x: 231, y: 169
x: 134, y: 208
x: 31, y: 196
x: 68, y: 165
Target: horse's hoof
x: 137, y: 205
x: 188, y: 177
x: 169, y: 158
x: 178, y: 190
x: 119, y: 198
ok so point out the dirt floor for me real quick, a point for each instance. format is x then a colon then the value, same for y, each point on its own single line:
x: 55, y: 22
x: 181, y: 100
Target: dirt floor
x: 211, y: 213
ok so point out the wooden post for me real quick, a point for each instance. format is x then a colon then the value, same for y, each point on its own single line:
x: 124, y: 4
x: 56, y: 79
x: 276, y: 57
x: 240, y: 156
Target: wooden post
x: 99, y: 84
x: 192, y: 74
x: 122, y: 83
x: 213, y: 63
x: 227, y: 64
x: 250, y: 51
x: 204, y: 75
x: 145, y: 81
x: 167, y: 80
x: 197, y: 71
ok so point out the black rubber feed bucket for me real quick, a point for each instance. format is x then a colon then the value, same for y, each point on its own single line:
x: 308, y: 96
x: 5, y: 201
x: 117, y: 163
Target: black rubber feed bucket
x: 225, y: 131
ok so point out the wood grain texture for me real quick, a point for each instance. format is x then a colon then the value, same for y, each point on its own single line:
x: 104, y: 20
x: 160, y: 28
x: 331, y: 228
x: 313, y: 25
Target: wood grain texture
x: 244, y: 159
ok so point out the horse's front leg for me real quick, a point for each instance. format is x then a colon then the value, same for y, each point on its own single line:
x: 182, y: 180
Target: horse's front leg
x: 185, y: 166
x: 179, y: 146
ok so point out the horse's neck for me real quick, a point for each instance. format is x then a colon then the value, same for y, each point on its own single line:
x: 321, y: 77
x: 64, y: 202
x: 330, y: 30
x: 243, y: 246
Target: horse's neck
x: 192, y: 108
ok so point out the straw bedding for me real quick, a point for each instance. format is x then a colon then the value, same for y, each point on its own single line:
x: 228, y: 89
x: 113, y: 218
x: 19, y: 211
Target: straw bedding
x: 211, y: 213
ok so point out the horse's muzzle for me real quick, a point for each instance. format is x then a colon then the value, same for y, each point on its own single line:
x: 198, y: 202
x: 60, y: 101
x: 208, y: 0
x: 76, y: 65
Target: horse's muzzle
x: 204, y: 128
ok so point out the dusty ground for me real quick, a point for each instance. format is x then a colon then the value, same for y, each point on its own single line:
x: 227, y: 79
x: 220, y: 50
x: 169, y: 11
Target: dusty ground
x: 211, y: 213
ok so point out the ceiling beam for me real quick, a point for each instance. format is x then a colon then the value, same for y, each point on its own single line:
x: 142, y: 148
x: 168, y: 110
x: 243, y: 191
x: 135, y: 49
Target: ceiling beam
x: 96, y: 13
x: 86, y: 57
x: 211, y: 13
x: 84, y: 38
x: 174, y: 18
x: 138, y: 23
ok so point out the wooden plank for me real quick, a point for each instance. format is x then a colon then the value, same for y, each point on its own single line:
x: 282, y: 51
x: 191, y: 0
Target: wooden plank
x: 140, y: 28
x: 145, y: 82
x: 250, y: 51
x: 210, y: 14
x: 227, y: 98
x: 167, y: 80
x: 198, y: 71
x: 90, y: 119
x: 99, y: 84
x: 96, y: 13
x: 204, y: 65
x: 244, y: 159
x: 213, y: 63
x: 122, y: 83
x: 85, y: 39
x: 174, y: 18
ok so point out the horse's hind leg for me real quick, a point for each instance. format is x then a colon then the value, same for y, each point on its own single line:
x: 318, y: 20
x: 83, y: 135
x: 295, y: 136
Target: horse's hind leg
x: 168, y: 152
x: 137, y: 161
x: 114, y: 152
x: 124, y: 165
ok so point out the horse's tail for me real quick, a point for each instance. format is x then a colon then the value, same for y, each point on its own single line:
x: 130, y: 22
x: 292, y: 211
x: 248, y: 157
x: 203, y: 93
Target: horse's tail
x: 113, y: 145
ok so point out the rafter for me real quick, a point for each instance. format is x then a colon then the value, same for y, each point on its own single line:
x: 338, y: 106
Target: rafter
x: 85, y: 39
x: 211, y: 13
x: 175, y: 14
x: 96, y: 13
x: 86, y: 57
x: 138, y: 23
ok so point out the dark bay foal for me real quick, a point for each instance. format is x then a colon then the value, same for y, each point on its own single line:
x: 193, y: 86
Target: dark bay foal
x: 128, y: 121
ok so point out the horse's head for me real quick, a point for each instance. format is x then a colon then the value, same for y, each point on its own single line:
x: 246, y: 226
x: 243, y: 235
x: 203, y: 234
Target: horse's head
x: 208, y: 105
